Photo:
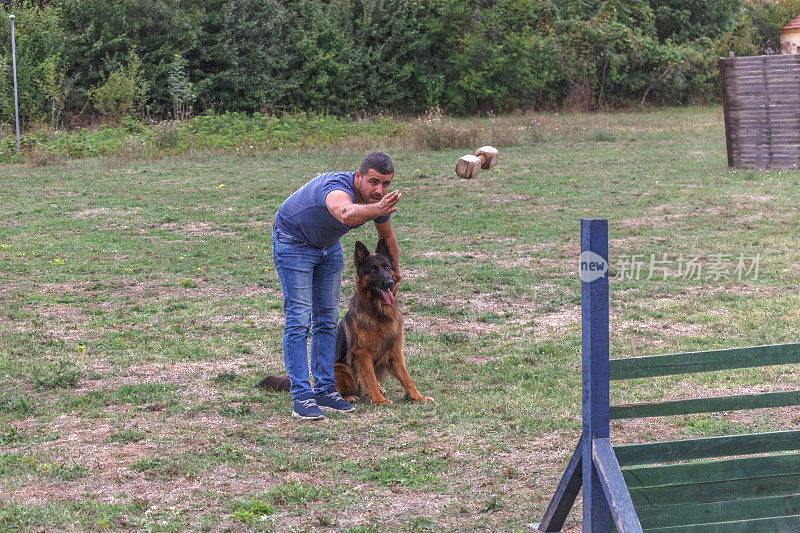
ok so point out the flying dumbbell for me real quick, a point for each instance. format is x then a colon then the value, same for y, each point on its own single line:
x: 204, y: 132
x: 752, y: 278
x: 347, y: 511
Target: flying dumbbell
x: 485, y: 158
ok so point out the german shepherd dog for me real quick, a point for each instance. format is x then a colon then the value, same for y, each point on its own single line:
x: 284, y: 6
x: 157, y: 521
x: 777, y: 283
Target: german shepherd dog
x: 369, y: 339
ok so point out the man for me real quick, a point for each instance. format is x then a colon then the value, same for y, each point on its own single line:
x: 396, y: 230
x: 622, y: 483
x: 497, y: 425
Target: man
x: 308, y: 258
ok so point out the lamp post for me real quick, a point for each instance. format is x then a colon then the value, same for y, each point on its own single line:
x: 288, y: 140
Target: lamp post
x: 14, y: 63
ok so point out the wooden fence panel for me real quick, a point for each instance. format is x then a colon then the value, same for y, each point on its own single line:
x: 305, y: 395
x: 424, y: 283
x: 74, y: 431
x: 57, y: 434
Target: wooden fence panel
x: 761, y: 101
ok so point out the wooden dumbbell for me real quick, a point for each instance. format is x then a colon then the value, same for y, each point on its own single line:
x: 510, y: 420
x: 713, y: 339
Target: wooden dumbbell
x: 485, y: 158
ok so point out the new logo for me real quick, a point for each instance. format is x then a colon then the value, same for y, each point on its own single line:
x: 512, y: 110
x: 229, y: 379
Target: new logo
x: 593, y: 267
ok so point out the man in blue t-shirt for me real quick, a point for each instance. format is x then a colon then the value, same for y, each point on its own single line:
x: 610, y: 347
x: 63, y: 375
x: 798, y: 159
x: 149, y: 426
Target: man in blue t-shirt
x: 309, y: 260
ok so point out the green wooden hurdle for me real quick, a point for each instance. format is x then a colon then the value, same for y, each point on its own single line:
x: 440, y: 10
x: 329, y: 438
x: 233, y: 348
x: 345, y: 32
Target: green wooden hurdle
x: 737, y: 483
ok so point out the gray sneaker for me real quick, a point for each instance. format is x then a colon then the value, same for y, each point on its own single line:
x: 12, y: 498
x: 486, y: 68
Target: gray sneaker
x: 306, y: 409
x: 333, y: 401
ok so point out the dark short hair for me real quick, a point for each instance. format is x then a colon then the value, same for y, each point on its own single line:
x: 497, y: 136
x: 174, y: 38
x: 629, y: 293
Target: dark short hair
x: 379, y: 161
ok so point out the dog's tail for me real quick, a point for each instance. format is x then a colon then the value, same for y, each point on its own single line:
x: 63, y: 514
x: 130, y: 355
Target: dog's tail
x: 280, y: 383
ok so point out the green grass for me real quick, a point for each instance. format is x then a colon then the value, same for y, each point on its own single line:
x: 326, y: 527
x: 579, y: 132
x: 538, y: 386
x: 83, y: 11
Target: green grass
x: 85, y: 514
x: 140, y: 305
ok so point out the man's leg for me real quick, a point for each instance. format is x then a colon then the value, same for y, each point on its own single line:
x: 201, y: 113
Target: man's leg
x: 295, y: 266
x: 327, y: 284
x: 325, y: 316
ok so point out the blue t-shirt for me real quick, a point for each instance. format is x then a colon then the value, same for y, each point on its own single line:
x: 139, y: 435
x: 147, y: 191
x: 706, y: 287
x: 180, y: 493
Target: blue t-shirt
x: 305, y: 216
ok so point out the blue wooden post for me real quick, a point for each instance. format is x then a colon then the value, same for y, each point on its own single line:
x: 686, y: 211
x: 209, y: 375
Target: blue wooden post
x: 594, y: 319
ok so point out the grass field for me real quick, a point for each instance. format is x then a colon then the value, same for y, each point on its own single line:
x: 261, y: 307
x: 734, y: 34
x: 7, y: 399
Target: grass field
x: 140, y: 304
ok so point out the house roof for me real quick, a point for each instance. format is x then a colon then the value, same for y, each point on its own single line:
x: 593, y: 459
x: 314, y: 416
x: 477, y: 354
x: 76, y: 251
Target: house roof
x: 793, y: 24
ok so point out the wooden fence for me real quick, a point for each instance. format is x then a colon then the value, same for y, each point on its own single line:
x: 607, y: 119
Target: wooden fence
x: 761, y: 99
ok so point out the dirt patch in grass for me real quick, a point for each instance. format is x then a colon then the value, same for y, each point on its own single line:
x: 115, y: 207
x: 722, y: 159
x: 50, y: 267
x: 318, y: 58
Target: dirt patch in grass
x: 439, y: 325
x: 202, y: 229
x: 164, y: 288
x: 55, y: 193
x: 191, y: 378
x: 105, y: 212
x: 670, y: 329
x: 753, y: 198
x: 569, y: 316
x: 520, y: 255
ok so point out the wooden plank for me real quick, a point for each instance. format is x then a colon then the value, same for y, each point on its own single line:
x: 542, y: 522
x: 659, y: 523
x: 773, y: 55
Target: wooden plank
x: 755, y: 145
x: 745, y: 59
x: 780, y: 150
x: 777, y: 160
x: 758, y: 115
x: 783, y: 142
x: 774, y: 164
x: 778, y: 155
x: 753, y: 85
x: 706, y: 513
x: 708, y: 471
x: 784, y: 524
x: 778, y: 72
x: 772, y: 59
x: 754, y: 111
x: 617, y: 496
x: 757, y: 109
x: 783, y: 137
x: 747, y: 125
x: 716, y: 491
x: 594, y: 353
x: 779, y: 75
x: 566, y: 492
x: 706, y: 361
x: 771, y: 66
x: 752, y: 92
x: 785, y: 110
x: 686, y: 450
x: 743, y: 127
x: 725, y: 111
x: 756, y: 81
x: 756, y: 150
x: 741, y: 77
x: 755, y: 134
x: 706, y: 405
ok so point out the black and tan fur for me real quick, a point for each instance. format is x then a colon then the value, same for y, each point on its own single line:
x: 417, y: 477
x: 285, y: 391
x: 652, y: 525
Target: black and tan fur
x: 369, y: 339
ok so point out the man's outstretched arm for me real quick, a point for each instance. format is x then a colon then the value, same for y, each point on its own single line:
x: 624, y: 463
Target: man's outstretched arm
x: 345, y: 211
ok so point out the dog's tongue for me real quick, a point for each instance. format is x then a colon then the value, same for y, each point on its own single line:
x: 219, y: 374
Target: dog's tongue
x: 387, y: 297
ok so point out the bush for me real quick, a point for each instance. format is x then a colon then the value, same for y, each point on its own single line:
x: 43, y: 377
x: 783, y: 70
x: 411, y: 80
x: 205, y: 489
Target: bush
x: 63, y: 374
x: 39, y: 41
x: 435, y: 131
x: 123, y: 92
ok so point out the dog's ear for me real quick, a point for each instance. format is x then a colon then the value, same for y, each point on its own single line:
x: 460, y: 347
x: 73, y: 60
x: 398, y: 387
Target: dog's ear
x: 383, y: 249
x: 361, y: 253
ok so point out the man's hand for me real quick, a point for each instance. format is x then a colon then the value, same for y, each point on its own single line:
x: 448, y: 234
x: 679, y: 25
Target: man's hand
x: 388, y: 203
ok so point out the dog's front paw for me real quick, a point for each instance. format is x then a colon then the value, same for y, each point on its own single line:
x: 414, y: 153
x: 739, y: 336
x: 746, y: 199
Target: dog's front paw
x: 417, y: 397
x: 381, y: 401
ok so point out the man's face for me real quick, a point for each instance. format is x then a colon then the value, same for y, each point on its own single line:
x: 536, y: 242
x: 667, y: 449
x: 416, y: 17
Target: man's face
x: 372, y: 186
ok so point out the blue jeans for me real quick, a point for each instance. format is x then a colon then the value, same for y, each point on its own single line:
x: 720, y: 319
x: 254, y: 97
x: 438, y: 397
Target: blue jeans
x: 310, y: 280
